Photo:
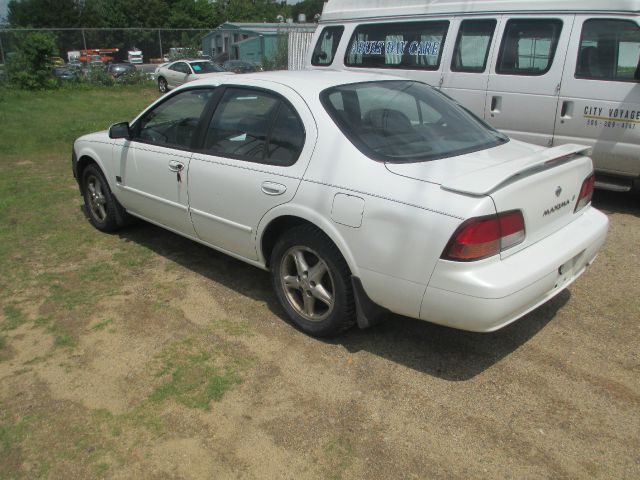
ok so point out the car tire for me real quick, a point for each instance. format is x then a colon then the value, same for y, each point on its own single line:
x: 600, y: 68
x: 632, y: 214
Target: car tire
x: 163, y: 87
x: 100, y: 205
x: 313, y: 282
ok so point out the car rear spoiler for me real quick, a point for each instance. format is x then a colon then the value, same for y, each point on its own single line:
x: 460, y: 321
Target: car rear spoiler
x: 485, y: 181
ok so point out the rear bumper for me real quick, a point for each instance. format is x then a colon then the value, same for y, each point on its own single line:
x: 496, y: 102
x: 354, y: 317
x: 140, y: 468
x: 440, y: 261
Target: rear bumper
x: 487, y: 295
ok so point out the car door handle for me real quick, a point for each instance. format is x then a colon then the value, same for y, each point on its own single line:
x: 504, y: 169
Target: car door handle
x: 496, y: 104
x: 271, y: 188
x: 176, y: 166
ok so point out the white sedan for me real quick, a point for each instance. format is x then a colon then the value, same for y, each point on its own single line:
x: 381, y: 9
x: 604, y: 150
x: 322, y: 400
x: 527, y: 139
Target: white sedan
x: 362, y: 194
x: 173, y: 74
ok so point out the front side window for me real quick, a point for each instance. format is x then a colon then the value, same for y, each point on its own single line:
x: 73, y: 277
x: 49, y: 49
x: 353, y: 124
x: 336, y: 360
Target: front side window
x: 325, y: 49
x: 609, y: 50
x: 180, y: 67
x: 256, y: 126
x: 407, y: 45
x: 173, y: 123
x: 472, y: 46
x: 528, y: 46
x: 402, y: 121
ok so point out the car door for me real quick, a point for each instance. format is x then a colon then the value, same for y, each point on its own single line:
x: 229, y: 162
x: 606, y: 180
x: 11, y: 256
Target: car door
x: 600, y: 95
x: 257, y: 147
x: 524, y: 83
x: 179, y: 72
x: 152, y: 165
x: 467, y: 73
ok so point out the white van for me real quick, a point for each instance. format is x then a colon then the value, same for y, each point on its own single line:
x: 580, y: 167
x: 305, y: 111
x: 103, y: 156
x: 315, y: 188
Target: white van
x: 135, y: 56
x: 547, y: 72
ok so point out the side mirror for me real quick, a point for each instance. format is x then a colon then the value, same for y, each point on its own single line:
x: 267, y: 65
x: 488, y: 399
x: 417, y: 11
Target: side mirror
x: 120, y: 130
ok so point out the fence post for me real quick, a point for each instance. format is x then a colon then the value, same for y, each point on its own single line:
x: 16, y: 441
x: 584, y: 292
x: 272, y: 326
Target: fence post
x: 84, y: 40
x: 160, y: 42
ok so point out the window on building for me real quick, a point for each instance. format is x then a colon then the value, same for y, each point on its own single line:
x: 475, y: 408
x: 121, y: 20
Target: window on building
x: 528, y: 46
x: 407, y: 45
x: 609, y: 50
x: 472, y: 46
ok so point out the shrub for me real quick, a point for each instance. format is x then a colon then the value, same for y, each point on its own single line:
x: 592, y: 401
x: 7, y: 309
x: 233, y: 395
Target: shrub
x: 30, y: 67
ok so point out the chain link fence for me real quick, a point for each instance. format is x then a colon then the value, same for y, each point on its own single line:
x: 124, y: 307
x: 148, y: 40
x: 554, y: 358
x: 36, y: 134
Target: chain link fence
x: 154, y: 43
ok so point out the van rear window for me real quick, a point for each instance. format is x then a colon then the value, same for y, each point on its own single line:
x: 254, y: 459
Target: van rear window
x: 406, y: 45
x: 609, y: 50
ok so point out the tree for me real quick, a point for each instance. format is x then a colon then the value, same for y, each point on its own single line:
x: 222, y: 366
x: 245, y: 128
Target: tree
x: 43, y: 13
x: 29, y: 68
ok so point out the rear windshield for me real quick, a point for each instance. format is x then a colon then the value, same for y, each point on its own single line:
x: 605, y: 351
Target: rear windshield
x: 404, y: 121
x: 206, y: 67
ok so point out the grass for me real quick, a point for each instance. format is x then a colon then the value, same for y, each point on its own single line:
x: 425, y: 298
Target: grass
x: 47, y: 249
x: 53, y: 261
x: 198, y: 374
x: 13, y: 317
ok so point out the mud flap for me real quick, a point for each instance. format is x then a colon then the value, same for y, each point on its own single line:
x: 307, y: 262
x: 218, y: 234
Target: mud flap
x: 368, y: 313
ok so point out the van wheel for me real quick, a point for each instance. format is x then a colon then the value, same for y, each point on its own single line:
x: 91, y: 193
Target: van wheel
x: 311, y: 280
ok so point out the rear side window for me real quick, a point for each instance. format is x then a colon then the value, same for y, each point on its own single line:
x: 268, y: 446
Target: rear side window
x: 325, y: 49
x: 472, y: 46
x: 528, y: 46
x: 256, y: 126
x: 408, y: 45
x: 609, y: 50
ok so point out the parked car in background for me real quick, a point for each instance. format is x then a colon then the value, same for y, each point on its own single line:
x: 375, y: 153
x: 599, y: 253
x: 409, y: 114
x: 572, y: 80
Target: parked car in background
x: 361, y: 193
x: 173, y: 74
x: 241, y: 66
x: 56, y: 61
x: 117, y: 70
x: 65, y: 74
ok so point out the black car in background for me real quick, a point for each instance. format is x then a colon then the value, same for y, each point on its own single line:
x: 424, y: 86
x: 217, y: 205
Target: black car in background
x: 117, y: 70
x: 65, y: 74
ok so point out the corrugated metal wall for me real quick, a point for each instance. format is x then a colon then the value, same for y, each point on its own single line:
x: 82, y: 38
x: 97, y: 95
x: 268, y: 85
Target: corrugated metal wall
x: 299, y: 43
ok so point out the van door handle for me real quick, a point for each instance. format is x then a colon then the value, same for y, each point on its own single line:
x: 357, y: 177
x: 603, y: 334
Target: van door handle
x: 176, y: 166
x: 271, y: 188
x: 496, y: 105
x: 565, y: 106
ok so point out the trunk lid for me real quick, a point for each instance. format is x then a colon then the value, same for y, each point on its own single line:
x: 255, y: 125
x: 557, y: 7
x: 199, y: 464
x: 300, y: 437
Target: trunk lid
x: 543, y: 183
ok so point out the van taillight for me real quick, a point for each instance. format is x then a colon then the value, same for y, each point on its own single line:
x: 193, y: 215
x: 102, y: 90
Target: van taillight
x: 483, y: 237
x: 586, y: 192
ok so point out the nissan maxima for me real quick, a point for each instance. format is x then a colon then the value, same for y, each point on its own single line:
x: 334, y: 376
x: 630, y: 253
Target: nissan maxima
x: 361, y: 194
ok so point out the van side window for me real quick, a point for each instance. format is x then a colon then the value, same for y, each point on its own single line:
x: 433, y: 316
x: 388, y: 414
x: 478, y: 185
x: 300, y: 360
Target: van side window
x: 326, y: 47
x: 609, y: 50
x: 472, y: 46
x: 407, y: 45
x: 528, y: 46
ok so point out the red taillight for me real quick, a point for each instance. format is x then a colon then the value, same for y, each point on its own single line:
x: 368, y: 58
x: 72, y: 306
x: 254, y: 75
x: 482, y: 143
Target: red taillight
x: 586, y: 192
x: 483, y: 237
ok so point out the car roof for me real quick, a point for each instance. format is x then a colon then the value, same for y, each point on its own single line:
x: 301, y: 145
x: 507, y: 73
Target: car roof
x: 305, y: 82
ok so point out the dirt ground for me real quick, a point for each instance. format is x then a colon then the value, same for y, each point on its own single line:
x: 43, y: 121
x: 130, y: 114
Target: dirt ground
x: 185, y: 368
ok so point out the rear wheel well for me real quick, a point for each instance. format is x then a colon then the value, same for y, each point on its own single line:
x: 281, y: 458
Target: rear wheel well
x: 276, y: 228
